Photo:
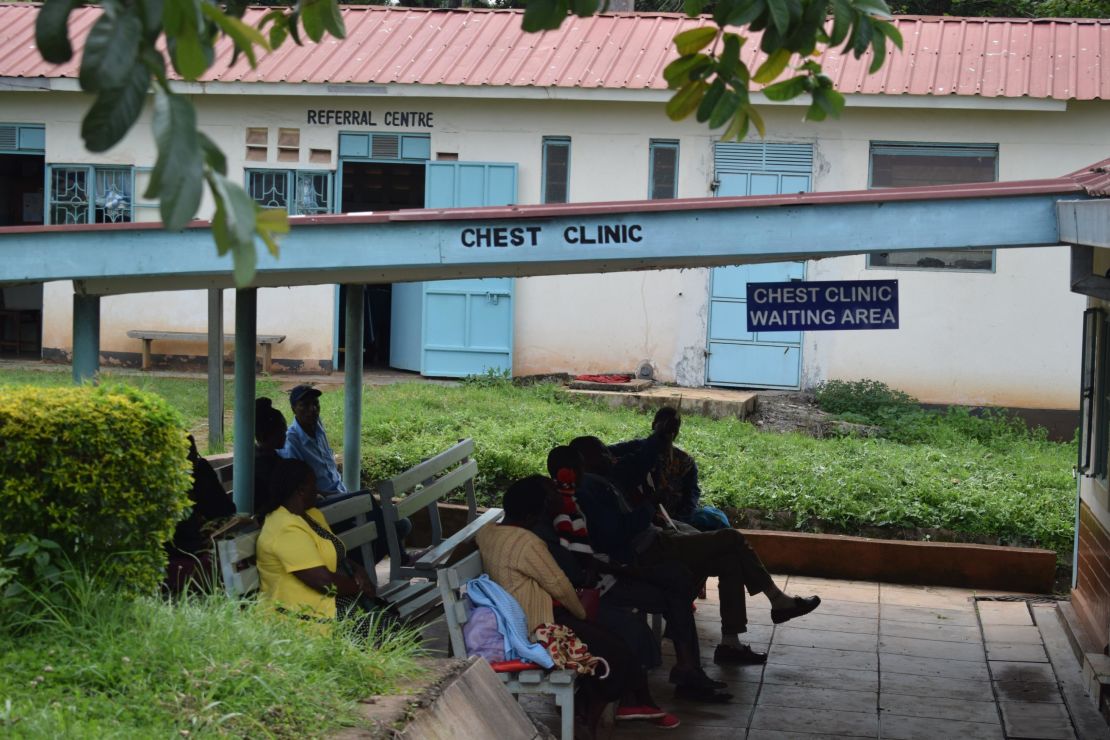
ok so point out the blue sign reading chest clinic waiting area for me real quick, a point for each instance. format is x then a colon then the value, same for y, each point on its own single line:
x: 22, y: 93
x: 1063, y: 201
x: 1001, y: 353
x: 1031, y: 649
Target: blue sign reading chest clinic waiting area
x: 823, y: 306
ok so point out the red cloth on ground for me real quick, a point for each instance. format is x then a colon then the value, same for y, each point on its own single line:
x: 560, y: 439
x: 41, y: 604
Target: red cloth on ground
x: 603, y: 378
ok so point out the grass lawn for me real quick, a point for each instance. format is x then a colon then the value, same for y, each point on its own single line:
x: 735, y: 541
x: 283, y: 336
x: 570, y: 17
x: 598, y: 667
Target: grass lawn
x: 949, y: 471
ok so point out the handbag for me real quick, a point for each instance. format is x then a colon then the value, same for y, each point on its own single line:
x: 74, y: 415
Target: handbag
x: 568, y: 651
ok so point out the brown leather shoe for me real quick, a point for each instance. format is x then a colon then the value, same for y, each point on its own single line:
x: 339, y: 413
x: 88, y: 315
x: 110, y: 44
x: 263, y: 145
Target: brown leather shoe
x: 802, y: 606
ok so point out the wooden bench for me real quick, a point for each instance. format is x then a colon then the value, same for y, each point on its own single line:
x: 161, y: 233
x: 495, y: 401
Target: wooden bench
x: 266, y: 341
x: 423, y: 486
x: 559, y: 683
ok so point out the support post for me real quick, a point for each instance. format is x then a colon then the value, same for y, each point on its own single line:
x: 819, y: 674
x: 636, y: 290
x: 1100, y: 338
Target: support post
x: 246, y: 314
x: 86, y: 337
x: 215, y: 370
x: 352, y: 419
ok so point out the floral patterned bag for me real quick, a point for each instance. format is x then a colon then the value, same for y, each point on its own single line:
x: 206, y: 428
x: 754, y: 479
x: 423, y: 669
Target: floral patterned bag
x: 568, y: 651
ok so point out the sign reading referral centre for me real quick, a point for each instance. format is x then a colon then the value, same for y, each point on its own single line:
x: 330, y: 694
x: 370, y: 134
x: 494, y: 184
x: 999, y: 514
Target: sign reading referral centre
x: 817, y: 306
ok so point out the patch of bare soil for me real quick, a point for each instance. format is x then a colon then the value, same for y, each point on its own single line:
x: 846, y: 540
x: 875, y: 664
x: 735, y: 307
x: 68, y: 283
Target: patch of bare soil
x: 794, y: 411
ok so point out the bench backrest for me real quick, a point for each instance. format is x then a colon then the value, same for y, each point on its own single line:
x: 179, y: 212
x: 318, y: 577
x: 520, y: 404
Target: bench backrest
x: 451, y: 581
x: 423, y: 486
x: 237, y: 552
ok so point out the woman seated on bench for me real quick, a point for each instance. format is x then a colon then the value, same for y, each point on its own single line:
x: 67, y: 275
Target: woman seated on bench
x: 303, y: 567
x: 519, y: 562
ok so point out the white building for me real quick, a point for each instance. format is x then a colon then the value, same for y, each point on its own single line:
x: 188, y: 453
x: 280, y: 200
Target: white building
x: 391, y: 117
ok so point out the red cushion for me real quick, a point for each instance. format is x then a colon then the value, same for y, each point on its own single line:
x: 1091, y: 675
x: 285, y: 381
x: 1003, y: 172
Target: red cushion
x: 514, y: 666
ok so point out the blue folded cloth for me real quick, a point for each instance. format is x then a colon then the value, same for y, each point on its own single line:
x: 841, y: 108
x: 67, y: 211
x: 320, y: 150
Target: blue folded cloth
x: 512, y: 625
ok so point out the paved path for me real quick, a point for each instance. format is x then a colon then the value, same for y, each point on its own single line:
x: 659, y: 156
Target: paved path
x: 884, y: 661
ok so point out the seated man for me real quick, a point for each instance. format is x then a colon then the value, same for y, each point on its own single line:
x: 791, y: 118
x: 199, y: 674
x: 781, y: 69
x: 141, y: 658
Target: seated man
x: 666, y: 588
x: 306, y: 440
x: 673, y: 474
x: 724, y: 553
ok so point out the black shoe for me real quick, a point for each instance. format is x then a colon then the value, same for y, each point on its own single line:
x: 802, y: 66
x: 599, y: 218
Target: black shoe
x: 802, y: 606
x: 695, y: 678
x: 743, y: 655
x: 702, y: 694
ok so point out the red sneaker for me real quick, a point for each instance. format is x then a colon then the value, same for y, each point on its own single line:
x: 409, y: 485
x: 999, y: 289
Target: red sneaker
x: 642, y: 712
x: 667, y: 722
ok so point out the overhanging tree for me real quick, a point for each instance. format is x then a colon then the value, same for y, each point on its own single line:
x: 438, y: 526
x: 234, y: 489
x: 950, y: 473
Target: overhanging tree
x: 124, y: 57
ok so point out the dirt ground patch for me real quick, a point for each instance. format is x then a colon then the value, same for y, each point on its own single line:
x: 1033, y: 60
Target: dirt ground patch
x: 795, y: 411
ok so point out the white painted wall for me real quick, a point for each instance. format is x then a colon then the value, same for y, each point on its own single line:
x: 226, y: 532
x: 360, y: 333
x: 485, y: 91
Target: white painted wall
x: 970, y: 338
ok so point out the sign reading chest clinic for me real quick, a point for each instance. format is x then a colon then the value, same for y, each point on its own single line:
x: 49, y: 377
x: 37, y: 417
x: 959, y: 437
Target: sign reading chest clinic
x: 823, y: 306
x: 576, y: 235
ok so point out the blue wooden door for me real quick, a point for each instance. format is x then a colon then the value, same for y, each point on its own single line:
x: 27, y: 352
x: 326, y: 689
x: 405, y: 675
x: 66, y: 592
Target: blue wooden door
x: 454, y: 328
x: 736, y: 356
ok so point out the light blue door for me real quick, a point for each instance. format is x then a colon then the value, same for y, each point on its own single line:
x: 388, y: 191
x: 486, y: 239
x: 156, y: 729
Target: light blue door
x: 738, y: 357
x: 453, y: 328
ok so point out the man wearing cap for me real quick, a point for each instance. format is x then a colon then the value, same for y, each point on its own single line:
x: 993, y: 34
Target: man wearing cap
x: 306, y: 440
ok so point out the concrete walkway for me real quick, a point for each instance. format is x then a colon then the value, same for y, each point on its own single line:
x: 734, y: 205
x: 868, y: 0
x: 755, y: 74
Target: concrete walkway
x: 885, y: 661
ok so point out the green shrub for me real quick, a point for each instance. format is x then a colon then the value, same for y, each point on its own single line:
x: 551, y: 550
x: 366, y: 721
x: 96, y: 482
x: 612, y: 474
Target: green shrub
x: 102, y: 471
x: 863, y: 399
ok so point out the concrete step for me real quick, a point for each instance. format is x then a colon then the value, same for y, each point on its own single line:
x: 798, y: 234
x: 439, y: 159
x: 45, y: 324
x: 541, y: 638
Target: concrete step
x: 715, y: 403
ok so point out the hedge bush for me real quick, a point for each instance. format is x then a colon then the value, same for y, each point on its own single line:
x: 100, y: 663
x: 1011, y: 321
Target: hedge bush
x: 103, y: 471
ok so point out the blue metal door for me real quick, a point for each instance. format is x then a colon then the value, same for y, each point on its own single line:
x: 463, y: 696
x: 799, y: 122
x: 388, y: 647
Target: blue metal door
x: 736, y: 356
x: 453, y: 328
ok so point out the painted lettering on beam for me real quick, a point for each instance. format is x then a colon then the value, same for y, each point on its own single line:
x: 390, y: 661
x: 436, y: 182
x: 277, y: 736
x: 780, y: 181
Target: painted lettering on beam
x: 391, y: 118
x: 530, y: 236
x: 500, y: 236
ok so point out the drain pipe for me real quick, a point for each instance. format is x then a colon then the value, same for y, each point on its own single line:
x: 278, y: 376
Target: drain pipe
x: 1075, y: 542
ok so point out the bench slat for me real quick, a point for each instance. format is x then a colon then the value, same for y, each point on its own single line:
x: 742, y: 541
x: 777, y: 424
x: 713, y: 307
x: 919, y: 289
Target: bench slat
x: 430, y: 495
x: 359, y: 535
x: 199, y: 336
x: 433, y: 557
x: 409, y: 479
x: 347, y: 509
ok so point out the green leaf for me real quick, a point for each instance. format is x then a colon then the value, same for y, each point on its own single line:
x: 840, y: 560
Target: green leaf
x: 695, y: 39
x: 683, y: 102
x: 861, y: 36
x: 738, y: 129
x: 233, y: 226
x: 151, y: 12
x: 543, y: 15
x: 190, y: 53
x: 115, y: 111
x: 729, y: 60
x: 724, y: 109
x: 243, y: 36
x: 842, y: 22
x: 683, y: 69
x: 780, y: 14
x: 52, y: 32
x: 786, y: 89
x: 773, y: 67
x: 878, y: 52
x: 709, y: 102
x: 744, y: 13
x: 874, y: 8
x: 319, y: 16
x: 213, y: 155
x: 111, y: 50
x: 890, y: 31
x: 178, y: 173
x: 271, y: 221
x: 585, y: 8
x: 757, y: 120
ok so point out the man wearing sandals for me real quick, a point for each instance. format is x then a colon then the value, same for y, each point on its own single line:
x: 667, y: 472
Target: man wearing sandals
x: 724, y: 554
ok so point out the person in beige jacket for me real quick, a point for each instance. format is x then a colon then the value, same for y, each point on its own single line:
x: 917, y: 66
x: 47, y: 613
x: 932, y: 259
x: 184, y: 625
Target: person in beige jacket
x: 519, y: 562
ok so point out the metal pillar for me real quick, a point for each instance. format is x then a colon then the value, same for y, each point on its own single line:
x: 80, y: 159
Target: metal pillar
x: 215, y: 370
x: 246, y: 315
x: 352, y: 419
x: 86, y: 337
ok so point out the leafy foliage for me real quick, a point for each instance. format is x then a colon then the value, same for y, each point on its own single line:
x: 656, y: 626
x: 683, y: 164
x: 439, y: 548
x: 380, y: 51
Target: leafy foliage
x: 100, y: 471
x: 88, y: 663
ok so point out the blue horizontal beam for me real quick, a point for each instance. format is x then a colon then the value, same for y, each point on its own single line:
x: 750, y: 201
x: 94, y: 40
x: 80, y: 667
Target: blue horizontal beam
x: 344, y: 250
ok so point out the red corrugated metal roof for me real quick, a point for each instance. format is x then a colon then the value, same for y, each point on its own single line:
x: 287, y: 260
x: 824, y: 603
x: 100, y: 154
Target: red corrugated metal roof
x: 989, y: 57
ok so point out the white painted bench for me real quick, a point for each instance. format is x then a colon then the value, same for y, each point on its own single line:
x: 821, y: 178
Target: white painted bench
x: 423, y: 486
x: 559, y: 683
x: 266, y: 341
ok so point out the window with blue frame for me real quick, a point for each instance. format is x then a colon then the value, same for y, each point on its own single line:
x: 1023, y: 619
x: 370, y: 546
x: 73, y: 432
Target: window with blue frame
x: 300, y: 192
x: 556, y: 169
x: 898, y: 165
x: 83, y: 194
x: 663, y: 169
